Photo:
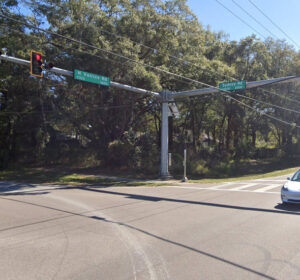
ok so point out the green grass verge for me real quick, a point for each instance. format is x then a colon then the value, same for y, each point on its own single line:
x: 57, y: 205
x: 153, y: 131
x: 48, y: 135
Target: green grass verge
x: 54, y: 177
x: 249, y: 177
x: 57, y: 177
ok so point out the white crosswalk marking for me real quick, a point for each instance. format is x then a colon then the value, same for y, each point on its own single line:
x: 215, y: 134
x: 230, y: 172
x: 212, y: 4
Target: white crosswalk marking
x: 271, y: 180
x: 227, y: 190
x: 244, y: 186
x: 222, y: 185
x: 262, y: 186
x: 267, y: 188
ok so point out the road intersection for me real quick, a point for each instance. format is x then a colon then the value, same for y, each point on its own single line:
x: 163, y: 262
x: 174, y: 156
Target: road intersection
x: 230, y: 230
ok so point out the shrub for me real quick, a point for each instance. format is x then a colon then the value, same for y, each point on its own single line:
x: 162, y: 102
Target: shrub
x: 120, y: 154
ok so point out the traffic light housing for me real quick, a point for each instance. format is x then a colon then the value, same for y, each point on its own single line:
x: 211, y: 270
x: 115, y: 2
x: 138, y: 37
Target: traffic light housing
x: 36, y: 64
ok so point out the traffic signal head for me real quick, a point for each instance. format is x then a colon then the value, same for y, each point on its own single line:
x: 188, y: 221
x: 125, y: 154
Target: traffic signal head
x: 36, y: 64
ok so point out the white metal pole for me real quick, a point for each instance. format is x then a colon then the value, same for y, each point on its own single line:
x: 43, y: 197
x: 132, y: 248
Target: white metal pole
x: 185, y: 179
x: 164, y: 172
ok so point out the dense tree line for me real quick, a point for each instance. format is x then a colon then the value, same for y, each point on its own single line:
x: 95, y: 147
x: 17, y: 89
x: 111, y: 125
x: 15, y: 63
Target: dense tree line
x: 58, y: 120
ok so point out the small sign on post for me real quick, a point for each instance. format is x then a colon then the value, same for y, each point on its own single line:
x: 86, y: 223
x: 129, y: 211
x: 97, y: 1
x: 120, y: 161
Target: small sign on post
x: 184, y: 179
x: 170, y: 159
x: 232, y: 85
x: 91, y: 78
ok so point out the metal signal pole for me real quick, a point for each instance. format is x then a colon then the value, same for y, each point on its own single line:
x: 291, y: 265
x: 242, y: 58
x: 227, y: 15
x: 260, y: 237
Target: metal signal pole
x: 164, y: 151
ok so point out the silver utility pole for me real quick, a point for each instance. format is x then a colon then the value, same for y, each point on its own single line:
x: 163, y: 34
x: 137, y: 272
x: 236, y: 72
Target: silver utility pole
x: 184, y: 179
x: 164, y: 151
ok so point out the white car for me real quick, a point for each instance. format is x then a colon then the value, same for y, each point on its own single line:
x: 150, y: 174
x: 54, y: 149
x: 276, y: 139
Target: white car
x: 290, y: 192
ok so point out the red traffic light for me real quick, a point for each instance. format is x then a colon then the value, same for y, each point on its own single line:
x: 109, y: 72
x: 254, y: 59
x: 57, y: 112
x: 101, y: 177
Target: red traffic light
x: 36, y: 64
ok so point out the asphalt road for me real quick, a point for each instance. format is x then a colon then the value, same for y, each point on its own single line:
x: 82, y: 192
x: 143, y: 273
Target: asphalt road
x: 214, y: 231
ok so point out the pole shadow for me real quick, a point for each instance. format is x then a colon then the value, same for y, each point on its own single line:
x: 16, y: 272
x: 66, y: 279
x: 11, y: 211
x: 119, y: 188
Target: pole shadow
x: 285, y: 210
x: 102, y: 219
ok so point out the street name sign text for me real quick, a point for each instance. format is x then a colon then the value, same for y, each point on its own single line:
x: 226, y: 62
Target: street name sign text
x: 91, y: 78
x: 233, y: 85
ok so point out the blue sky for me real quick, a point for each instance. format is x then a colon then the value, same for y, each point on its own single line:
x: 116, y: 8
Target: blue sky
x: 285, y: 13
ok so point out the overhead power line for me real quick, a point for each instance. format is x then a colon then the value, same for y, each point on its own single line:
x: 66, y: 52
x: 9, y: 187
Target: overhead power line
x: 269, y: 104
x: 265, y: 114
x: 112, y: 53
x: 243, y: 96
x: 243, y: 21
x: 205, y: 69
x: 276, y: 25
x: 120, y: 63
x: 106, y: 51
x: 154, y: 50
x: 245, y: 11
x: 282, y: 97
x: 171, y: 56
x: 223, y: 92
x: 57, y: 45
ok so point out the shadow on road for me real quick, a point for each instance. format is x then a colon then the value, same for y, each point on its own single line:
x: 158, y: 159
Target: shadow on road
x: 279, y: 209
x: 102, y: 219
x: 290, y: 210
x: 25, y: 193
x: 11, y: 186
x: 288, y: 207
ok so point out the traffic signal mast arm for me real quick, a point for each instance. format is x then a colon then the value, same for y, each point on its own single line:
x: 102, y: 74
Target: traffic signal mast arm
x: 181, y: 94
x: 71, y: 74
x: 249, y: 85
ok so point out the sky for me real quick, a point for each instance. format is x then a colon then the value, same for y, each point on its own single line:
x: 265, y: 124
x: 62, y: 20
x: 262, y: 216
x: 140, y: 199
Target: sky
x: 284, y: 13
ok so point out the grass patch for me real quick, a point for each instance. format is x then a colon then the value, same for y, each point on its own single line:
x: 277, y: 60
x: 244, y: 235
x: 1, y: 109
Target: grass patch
x: 78, y: 179
x: 248, y: 177
x: 71, y: 178
x: 54, y: 177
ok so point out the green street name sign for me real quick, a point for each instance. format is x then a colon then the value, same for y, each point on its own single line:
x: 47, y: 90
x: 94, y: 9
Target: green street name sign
x: 91, y: 78
x: 233, y: 85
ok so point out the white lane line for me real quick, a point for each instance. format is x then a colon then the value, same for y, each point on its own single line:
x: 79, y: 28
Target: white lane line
x: 267, y: 188
x: 244, y: 187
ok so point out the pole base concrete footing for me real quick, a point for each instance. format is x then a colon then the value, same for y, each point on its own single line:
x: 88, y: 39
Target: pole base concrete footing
x: 184, y: 179
x: 165, y: 176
